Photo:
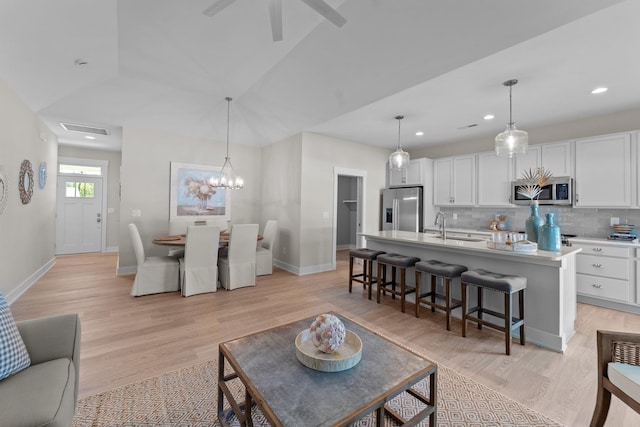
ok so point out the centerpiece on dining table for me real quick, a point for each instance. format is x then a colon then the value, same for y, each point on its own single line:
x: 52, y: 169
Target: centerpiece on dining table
x: 328, y: 346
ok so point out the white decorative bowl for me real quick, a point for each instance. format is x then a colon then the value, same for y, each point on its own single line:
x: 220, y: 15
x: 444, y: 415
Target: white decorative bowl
x: 345, y: 357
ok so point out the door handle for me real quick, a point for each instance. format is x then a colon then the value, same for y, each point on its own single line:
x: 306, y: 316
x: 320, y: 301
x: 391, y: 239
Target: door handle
x: 99, y: 218
x: 597, y: 286
x: 597, y: 265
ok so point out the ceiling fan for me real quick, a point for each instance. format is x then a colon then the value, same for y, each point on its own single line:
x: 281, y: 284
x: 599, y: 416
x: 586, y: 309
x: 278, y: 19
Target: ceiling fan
x: 275, y: 13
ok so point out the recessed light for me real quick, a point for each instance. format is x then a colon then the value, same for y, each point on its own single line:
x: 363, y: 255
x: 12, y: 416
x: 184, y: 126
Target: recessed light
x: 489, y: 117
x: 599, y: 90
x: 89, y: 137
x: 419, y: 133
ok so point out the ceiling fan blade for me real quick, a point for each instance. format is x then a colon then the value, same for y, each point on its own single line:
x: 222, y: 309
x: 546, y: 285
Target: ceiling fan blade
x: 217, y: 7
x: 327, y: 11
x: 275, y: 13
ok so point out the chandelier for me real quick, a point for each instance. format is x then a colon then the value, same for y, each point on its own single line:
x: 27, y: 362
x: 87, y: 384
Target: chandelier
x: 399, y: 159
x: 228, y: 177
x: 512, y: 141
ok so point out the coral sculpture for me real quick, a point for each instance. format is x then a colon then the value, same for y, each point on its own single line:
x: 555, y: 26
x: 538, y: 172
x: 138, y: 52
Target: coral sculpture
x: 327, y: 333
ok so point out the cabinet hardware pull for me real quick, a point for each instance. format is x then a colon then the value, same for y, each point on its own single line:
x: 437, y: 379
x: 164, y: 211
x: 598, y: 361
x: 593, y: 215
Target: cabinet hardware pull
x: 597, y: 265
x: 597, y: 286
x: 597, y: 249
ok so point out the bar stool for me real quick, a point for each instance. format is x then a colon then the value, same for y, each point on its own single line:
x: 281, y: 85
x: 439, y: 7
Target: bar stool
x: 506, y: 284
x: 445, y: 271
x: 396, y: 261
x: 368, y: 256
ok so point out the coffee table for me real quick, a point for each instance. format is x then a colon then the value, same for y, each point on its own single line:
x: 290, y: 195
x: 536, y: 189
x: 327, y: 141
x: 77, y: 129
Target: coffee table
x: 290, y: 394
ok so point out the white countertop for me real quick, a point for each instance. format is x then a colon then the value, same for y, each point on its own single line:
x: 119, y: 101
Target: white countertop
x: 605, y: 242
x: 431, y: 239
x: 470, y: 231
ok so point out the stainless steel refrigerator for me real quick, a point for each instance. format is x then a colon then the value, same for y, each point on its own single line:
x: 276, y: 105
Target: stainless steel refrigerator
x: 401, y: 209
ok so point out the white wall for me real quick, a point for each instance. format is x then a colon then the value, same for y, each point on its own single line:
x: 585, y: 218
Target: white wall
x: 598, y: 125
x: 113, y: 186
x: 320, y: 154
x: 145, y: 177
x: 281, y: 193
x: 27, y: 232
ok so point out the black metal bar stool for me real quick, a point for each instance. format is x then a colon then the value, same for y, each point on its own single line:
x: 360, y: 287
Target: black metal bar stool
x: 503, y: 283
x: 396, y: 261
x: 447, y: 272
x: 368, y: 256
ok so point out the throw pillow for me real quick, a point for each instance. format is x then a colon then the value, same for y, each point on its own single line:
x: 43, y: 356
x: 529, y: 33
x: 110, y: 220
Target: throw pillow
x: 13, y: 354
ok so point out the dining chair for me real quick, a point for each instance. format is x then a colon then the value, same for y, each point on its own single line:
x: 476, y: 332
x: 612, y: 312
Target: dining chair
x: 618, y: 372
x: 238, y: 267
x: 198, y: 267
x: 264, y: 250
x: 155, y: 274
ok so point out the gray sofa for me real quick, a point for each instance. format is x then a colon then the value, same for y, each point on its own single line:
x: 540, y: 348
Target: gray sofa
x: 45, y: 393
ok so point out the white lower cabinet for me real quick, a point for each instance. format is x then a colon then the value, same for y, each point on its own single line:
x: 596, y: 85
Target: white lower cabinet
x: 605, y: 271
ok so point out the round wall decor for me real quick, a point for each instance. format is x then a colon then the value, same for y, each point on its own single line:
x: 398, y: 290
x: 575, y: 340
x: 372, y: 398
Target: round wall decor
x: 42, y: 175
x: 4, y: 192
x: 25, y: 181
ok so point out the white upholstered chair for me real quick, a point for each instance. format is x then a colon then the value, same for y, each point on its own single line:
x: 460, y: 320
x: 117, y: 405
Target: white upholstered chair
x: 198, y: 268
x: 264, y: 250
x: 238, y: 268
x: 155, y: 274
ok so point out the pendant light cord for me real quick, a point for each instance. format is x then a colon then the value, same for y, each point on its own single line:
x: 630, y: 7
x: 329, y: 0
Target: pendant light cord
x: 399, y: 118
x: 228, y: 109
x: 510, y: 108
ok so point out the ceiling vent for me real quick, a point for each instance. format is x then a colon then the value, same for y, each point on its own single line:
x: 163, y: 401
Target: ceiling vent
x: 467, y: 126
x: 84, y: 129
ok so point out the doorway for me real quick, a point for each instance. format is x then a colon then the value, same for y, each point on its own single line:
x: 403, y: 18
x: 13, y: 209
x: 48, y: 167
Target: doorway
x: 80, y: 201
x: 348, y: 213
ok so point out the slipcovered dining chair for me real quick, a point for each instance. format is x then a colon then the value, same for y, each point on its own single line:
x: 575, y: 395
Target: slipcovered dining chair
x: 264, y: 250
x: 198, y: 268
x: 238, y: 267
x: 155, y: 274
x: 618, y: 372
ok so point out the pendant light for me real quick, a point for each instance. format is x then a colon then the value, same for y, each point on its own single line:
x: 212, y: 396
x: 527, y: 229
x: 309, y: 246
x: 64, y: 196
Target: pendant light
x: 512, y: 141
x: 399, y: 159
x: 227, y: 178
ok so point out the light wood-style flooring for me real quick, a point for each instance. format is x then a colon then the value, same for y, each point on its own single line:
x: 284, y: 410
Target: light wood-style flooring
x: 125, y: 339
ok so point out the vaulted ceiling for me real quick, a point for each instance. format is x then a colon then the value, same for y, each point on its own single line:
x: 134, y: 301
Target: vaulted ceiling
x: 163, y: 65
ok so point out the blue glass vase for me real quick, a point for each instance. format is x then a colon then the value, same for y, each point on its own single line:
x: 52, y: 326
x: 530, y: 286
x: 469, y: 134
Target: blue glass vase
x: 533, y: 223
x: 549, y: 238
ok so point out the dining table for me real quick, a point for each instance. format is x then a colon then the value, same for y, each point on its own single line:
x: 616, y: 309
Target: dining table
x: 181, y: 239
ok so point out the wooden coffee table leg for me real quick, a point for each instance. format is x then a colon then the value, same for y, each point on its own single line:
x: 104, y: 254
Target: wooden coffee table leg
x: 380, y: 416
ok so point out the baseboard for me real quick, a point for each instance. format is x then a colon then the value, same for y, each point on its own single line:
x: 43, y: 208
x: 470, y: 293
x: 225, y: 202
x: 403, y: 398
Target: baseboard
x: 110, y: 249
x: 634, y: 309
x: 316, y: 269
x: 22, y: 288
x: 121, y: 271
x: 287, y: 267
x: 345, y: 247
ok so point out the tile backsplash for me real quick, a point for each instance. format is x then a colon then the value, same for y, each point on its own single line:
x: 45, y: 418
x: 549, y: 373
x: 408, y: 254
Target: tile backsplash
x: 583, y: 222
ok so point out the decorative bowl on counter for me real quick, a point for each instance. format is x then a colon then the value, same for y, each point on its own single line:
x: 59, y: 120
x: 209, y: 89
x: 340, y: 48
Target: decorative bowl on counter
x: 623, y: 228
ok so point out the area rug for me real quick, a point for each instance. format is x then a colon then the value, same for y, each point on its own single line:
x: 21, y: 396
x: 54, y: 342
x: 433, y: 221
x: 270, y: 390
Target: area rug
x: 188, y: 398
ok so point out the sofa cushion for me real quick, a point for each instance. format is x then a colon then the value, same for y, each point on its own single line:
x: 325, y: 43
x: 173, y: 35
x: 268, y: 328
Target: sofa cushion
x: 47, y: 389
x: 626, y: 377
x: 13, y: 354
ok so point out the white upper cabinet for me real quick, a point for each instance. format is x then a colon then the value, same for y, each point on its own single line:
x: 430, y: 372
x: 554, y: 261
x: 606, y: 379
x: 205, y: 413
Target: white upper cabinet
x: 495, y: 174
x: 413, y: 175
x: 454, y: 181
x: 603, y: 171
x: 556, y: 157
x: 524, y: 162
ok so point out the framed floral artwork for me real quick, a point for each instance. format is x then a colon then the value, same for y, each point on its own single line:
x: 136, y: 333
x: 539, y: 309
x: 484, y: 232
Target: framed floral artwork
x: 193, y: 197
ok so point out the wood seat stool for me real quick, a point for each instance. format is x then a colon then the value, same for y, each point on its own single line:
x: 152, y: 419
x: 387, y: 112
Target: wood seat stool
x: 395, y: 261
x: 366, y: 277
x: 445, y: 271
x: 503, y: 283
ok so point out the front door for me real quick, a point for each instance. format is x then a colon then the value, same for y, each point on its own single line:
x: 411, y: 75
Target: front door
x: 79, y: 210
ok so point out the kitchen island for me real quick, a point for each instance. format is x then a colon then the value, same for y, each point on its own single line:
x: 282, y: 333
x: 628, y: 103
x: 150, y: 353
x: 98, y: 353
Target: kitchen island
x: 550, y: 298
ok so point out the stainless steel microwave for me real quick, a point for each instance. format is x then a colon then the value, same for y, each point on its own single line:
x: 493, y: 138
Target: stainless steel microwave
x: 559, y: 191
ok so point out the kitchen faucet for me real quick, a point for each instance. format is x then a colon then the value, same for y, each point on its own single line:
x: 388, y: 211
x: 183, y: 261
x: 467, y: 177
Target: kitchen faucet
x: 441, y: 220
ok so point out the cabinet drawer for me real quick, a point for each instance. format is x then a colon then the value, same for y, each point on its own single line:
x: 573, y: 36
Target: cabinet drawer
x: 603, y: 250
x: 603, y: 287
x: 617, y: 268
